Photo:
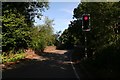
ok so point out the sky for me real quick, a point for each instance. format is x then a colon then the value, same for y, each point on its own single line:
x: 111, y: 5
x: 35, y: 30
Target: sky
x: 61, y: 13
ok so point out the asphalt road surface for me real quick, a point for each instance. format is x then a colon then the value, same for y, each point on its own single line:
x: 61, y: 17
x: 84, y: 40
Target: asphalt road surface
x: 57, y: 66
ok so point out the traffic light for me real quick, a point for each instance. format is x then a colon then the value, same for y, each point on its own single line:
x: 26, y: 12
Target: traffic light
x: 86, y: 22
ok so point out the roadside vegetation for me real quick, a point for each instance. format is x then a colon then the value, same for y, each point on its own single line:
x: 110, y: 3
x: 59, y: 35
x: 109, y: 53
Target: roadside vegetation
x: 19, y: 32
x: 11, y: 57
x: 103, y: 41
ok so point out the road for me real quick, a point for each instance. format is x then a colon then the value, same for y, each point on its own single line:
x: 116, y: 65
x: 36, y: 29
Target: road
x: 57, y: 66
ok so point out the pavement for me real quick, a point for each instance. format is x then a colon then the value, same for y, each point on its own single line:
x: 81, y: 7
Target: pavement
x: 56, y: 66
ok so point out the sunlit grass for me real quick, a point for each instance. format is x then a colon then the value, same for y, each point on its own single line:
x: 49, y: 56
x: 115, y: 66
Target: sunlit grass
x: 11, y: 57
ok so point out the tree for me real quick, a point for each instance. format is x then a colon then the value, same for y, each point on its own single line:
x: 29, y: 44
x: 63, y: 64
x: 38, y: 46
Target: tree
x: 17, y: 23
x: 102, y: 27
x: 42, y: 35
x: 29, y: 9
x: 73, y: 35
x: 102, y: 39
x: 101, y: 34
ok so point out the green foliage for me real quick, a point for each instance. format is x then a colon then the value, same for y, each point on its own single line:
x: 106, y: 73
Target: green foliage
x: 101, y: 40
x: 42, y: 35
x: 15, y: 31
x: 17, y: 23
x: 104, y: 64
x: 73, y: 35
x: 11, y: 57
x: 103, y: 17
x: 27, y: 9
x: 18, y: 32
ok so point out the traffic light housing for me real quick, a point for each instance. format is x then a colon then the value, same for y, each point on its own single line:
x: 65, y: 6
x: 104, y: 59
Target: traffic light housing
x: 86, y: 22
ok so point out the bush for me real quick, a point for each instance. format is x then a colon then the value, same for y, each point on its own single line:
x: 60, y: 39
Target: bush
x: 11, y: 57
x: 42, y: 36
x: 104, y: 63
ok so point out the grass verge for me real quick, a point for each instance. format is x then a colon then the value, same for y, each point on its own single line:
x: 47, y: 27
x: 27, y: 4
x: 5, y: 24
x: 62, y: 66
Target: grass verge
x: 11, y: 57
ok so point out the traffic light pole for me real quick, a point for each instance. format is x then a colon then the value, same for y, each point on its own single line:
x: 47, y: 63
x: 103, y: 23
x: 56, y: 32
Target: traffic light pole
x: 85, y: 29
x: 85, y: 45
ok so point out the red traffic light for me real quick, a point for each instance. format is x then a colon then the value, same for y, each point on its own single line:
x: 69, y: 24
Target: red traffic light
x: 85, y: 17
x: 86, y: 22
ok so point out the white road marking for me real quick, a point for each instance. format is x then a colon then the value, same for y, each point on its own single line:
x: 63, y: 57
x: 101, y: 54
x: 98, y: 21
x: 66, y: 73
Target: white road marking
x: 74, y: 70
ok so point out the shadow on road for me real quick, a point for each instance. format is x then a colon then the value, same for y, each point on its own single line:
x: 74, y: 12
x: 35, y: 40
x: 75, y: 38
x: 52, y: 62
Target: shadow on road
x: 51, y: 68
